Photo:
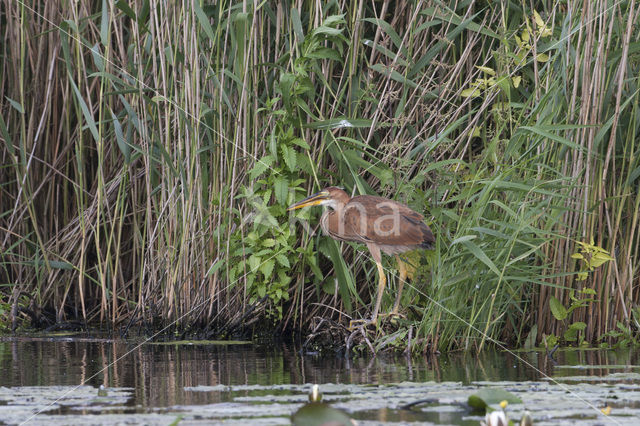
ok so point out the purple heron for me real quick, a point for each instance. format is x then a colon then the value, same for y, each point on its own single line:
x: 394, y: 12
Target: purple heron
x: 383, y: 225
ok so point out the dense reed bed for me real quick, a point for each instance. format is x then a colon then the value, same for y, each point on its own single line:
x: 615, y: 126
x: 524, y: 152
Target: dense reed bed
x: 149, y: 150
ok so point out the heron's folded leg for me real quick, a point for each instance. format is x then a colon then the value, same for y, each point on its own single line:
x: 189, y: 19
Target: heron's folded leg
x: 403, y: 277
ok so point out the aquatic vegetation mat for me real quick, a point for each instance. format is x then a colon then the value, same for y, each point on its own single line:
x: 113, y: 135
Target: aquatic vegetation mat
x: 573, y: 399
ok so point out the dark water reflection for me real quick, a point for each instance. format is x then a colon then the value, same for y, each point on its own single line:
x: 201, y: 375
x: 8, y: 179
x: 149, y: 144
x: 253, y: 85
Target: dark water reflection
x: 159, y: 374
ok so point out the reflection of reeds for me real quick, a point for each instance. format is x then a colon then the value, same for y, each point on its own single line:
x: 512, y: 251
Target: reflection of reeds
x: 128, y: 136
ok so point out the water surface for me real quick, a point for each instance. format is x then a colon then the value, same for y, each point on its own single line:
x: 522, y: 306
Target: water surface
x: 58, y: 378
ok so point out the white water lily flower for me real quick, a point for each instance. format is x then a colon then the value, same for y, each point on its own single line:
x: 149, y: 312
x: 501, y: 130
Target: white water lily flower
x: 495, y: 418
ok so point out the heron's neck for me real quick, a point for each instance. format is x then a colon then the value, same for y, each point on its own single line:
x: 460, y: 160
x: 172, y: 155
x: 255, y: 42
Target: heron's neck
x: 331, y: 216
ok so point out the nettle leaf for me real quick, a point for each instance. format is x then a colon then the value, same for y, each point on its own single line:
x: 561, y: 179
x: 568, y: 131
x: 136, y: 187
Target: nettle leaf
x: 557, y: 309
x: 290, y: 157
x: 301, y: 143
x: 267, y: 268
x: 283, y: 260
x: 265, y: 199
x: 281, y: 188
x: 269, y: 242
x: 261, y: 166
x: 538, y: 19
x: 254, y: 262
x: 262, y: 290
x: 250, y: 279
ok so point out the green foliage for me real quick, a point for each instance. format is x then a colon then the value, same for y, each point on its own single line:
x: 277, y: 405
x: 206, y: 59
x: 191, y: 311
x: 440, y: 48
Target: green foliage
x: 591, y: 256
x: 150, y: 182
x: 262, y: 246
x: 573, y: 329
x: 623, y: 336
x: 269, y: 248
x: 561, y: 313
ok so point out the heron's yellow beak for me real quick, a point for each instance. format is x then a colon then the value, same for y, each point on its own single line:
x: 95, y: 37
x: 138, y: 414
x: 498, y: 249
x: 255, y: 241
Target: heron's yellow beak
x: 312, y: 200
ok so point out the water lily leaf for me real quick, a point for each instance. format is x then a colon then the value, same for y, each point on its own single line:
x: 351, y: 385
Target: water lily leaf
x: 488, y: 396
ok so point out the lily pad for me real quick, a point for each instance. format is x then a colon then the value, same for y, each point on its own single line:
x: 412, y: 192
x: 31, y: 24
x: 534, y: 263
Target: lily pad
x: 489, y: 396
x: 319, y: 413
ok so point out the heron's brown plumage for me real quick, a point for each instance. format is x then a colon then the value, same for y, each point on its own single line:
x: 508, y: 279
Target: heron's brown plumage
x: 382, y: 224
x: 369, y: 219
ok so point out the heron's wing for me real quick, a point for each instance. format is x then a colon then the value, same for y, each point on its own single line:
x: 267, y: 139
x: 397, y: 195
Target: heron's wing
x: 386, y: 222
x: 336, y: 227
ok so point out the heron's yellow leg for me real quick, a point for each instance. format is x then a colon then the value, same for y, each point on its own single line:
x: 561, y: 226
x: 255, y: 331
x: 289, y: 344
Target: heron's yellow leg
x: 403, y: 277
x: 382, y: 282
